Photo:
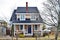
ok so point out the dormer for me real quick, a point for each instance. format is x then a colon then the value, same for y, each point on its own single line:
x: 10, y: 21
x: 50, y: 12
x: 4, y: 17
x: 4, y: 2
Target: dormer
x: 26, y: 13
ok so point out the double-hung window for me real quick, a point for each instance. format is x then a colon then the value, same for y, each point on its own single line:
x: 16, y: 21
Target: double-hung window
x: 21, y: 27
x: 35, y: 27
x: 33, y: 18
x: 22, y: 17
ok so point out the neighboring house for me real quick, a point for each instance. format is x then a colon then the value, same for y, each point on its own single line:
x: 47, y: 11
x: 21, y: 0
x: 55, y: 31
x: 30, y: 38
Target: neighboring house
x: 27, y: 20
x: 3, y: 25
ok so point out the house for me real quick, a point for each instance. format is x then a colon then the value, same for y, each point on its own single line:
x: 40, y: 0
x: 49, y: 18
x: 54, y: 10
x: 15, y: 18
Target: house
x: 3, y: 25
x: 26, y: 20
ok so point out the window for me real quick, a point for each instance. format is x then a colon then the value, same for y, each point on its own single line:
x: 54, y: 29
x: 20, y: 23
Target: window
x: 21, y: 27
x: 22, y: 17
x: 32, y: 17
x: 35, y: 27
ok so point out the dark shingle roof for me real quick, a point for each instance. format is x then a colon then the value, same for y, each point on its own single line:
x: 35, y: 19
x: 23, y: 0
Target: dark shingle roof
x: 30, y: 10
x: 13, y: 17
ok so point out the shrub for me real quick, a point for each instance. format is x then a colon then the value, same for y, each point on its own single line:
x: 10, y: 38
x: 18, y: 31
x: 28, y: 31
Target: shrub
x: 21, y: 35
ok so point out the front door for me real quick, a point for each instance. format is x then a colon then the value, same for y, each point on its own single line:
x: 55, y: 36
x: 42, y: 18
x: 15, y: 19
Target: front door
x: 28, y: 30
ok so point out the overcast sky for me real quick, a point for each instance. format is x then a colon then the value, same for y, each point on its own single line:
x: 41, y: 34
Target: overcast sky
x: 7, y: 6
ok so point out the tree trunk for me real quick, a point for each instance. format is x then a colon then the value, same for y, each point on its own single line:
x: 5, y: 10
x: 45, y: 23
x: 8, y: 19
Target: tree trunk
x: 56, y: 34
x: 12, y: 37
x: 36, y: 37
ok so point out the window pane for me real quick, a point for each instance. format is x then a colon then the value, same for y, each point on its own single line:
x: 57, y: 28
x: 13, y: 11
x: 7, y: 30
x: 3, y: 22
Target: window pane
x: 22, y: 17
x: 35, y: 27
x: 21, y: 27
x: 32, y: 17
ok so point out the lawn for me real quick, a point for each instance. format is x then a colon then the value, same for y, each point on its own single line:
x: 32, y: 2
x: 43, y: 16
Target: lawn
x: 51, y: 37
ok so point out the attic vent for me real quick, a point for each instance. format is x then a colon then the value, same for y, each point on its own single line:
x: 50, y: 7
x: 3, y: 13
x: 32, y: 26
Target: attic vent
x: 26, y: 7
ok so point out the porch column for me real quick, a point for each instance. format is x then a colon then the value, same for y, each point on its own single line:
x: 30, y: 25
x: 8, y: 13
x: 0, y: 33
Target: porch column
x: 23, y: 29
x: 32, y: 28
x: 14, y: 30
x: 41, y: 25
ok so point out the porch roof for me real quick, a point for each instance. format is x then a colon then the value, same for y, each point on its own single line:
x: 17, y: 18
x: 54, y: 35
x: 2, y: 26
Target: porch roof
x: 27, y: 21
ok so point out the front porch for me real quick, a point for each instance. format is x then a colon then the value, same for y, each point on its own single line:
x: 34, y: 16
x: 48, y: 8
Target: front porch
x: 27, y: 29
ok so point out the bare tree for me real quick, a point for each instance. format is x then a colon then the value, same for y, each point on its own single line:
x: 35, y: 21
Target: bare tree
x: 51, y: 14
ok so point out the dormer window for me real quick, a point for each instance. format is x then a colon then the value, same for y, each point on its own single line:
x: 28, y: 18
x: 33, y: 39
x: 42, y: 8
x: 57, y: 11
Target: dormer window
x: 33, y: 18
x: 22, y: 17
x: 18, y: 17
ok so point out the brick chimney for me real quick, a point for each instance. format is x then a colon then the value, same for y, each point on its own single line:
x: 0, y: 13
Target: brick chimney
x: 26, y: 7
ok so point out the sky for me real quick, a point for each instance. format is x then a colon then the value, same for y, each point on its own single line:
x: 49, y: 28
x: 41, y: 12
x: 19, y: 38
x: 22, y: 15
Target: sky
x: 8, y: 6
